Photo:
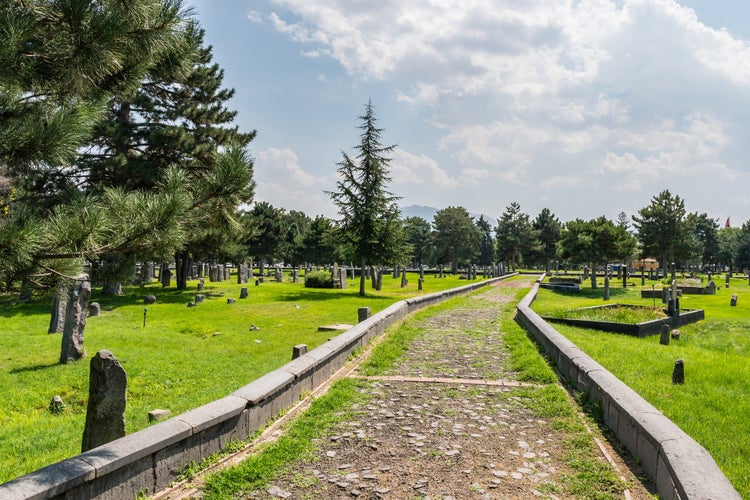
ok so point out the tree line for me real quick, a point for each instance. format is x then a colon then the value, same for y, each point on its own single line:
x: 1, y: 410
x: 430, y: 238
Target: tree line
x: 117, y: 146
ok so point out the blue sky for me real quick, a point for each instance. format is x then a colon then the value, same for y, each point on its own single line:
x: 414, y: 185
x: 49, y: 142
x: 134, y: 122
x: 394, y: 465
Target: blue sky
x: 587, y: 107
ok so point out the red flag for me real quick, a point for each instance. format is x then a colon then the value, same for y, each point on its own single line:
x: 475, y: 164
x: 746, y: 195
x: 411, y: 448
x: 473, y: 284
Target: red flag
x: 727, y: 223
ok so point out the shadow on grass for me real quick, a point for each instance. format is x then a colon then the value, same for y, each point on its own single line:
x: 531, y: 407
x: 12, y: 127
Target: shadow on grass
x: 588, y: 293
x: 33, y: 368
x: 322, y: 296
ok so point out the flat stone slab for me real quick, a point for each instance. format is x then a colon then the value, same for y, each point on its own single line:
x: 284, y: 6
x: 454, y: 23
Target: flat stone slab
x: 335, y: 327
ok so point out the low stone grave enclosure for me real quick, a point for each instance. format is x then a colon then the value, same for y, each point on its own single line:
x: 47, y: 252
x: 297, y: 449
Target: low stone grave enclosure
x: 642, y: 329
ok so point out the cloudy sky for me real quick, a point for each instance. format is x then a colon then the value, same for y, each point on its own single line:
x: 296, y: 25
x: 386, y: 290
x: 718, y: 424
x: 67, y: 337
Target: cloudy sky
x: 587, y: 107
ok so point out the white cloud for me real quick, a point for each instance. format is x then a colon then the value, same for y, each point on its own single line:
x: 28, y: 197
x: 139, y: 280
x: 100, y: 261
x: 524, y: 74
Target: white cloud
x: 419, y: 170
x: 539, y: 95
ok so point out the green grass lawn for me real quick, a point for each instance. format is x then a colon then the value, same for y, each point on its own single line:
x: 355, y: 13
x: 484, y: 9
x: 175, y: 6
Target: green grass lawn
x: 183, y: 358
x: 714, y: 403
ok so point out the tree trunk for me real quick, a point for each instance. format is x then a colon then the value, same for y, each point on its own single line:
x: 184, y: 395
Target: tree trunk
x: 182, y: 263
x: 362, y: 279
x: 593, y: 276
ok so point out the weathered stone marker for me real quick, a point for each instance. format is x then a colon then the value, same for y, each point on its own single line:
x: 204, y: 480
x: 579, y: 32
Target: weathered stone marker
x: 57, y: 319
x: 362, y: 314
x: 157, y: 415
x: 299, y: 350
x: 199, y: 297
x: 105, y: 412
x: 149, y: 299
x: 243, y: 292
x: 606, y: 287
x: 201, y: 284
x: 664, y: 339
x: 678, y: 374
x: 419, y: 283
x: 56, y: 406
x: 75, y: 322
x: 733, y: 300
x: 231, y: 300
x: 94, y: 309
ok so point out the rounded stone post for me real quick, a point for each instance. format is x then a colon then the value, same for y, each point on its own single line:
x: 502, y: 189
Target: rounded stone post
x: 75, y: 322
x: 665, y: 334
x: 105, y: 412
x: 678, y: 374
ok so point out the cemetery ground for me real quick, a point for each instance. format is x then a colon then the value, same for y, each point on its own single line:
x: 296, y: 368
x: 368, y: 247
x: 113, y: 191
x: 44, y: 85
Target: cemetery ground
x: 713, y: 404
x: 454, y: 402
x: 183, y: 357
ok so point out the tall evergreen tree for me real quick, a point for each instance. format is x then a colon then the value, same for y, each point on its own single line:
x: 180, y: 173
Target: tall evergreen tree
x: 369, y: 223
x: 663, y: 231
x: 59, y: 64
x: 548, y: 229
x: 515, y: 236
x: 486, y: 242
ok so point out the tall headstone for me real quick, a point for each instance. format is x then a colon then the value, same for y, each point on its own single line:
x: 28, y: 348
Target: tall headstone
x: 166, y: 277
x: 243, y: 292
x: 75, y: 320
x: 678, y: 374
x: 403, y: 278
x: 420, y: 284
x: 342, y: 274
x: 105, y: 412
x: 665, y: 334
x: 606, y: 287
x: 279, y: 275
x: 57, y: 318
x: 227, y: 273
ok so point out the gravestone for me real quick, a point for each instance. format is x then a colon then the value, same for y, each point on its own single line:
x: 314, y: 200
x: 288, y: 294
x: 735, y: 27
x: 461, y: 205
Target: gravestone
x: 678, y: 374
x: 243, y: 292
x: 606, y: 287
x: 227, y: 273
x: 344, y: 285
x: 201, y: 284
x: 57, y: 318
x: 733, y: 300
x: 213, y: 274
x: 726, y: 283
x: 105, y: 411
x: 362, y: 314
x: 664, y: 339
x: 419, y: 284
x: 94, y: 309
x: 395, y: 272
x: 231, y: 300
x: 75, y: 321
x: 56, y: 406
x: 299, y: 350
x: 199, y: 297
x: 295, y: 276
x: 149, y: 299
x: 710, y: 288
x: 279, y: 275
x: 165, y: 278
x: 404, y: 281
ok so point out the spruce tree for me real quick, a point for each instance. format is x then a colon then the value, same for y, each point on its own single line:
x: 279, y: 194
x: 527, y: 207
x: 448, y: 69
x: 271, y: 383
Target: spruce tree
x: 369, y: 226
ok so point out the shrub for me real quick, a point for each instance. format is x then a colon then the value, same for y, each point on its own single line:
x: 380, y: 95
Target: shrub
x: 318, y: 279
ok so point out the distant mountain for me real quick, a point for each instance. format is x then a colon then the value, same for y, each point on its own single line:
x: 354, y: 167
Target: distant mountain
x: 428, y: 214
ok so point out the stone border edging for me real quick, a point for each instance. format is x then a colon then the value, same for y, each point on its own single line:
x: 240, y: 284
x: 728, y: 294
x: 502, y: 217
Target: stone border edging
x: 678, y: 465
x: 150, y: 459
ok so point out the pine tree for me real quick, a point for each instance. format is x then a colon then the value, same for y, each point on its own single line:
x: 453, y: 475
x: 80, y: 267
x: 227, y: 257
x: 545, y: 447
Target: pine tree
x: 59, y: 63
x: 178, y: 117
x: 369, y: 225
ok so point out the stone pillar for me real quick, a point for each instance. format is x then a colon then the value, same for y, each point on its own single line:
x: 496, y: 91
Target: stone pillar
x: 299, y: 350
x: 404, y: 282
x: 57, y: 318
x: 166, y: 277
x: 606, y: 287
x: 94, y: 309
x: 342, y: 274
x: 664, y: 338
x: 419, y: 284
x: 733, y: 300
x: 243, y: 292
x: 678, y: 374
x: 75, y: 321
x: 201, y: 284
x: 362, y: 314
x: 105, y: 412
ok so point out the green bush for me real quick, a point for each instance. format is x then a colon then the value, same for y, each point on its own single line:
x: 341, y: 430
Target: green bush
x: 318, y: 279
